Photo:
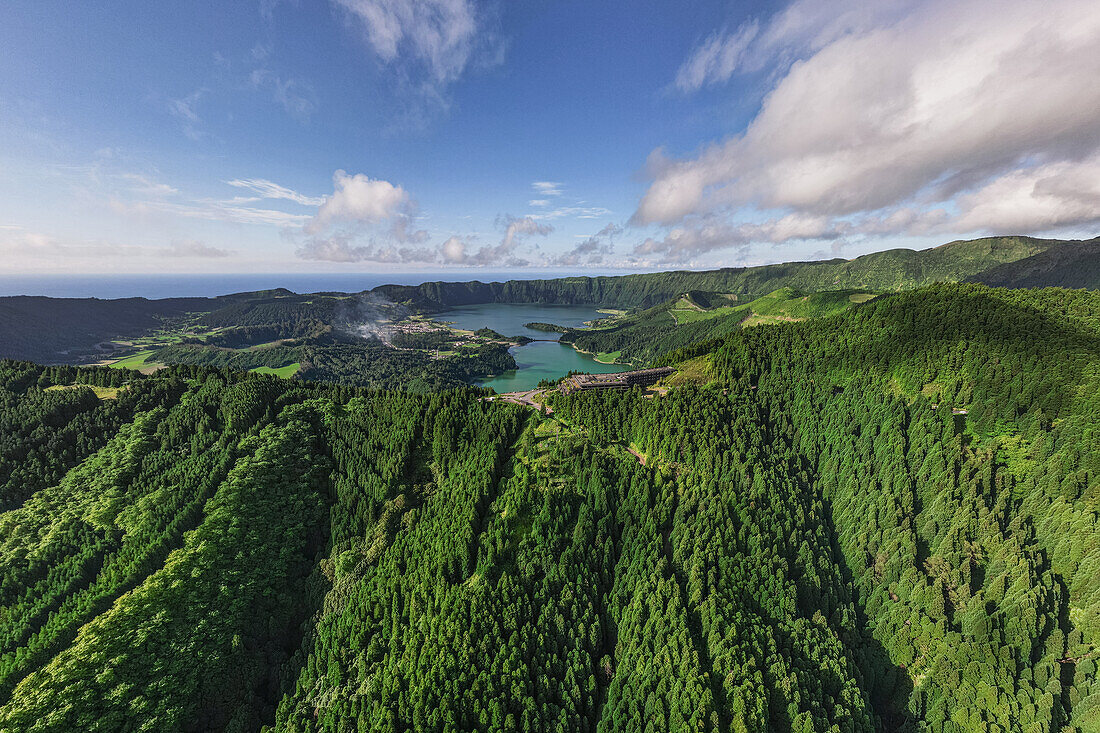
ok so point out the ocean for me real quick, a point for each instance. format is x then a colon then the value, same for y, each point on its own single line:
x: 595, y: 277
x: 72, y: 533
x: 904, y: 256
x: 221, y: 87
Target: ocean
x: 176, y: 286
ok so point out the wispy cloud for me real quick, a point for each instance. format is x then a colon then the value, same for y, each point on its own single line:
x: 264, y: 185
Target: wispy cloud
x: 271, y: 190
x: 145, y: 186
x: 429, y: 43
x: 717, y: 58
x: 547, y: 188
x: 578, y: 212
x: 210, y: 210
x: 295, y: 95
x: 185, y: 110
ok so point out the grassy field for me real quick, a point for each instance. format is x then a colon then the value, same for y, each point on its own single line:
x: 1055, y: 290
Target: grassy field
x: 103, y: 393
x: 693, y: 315
x: 696, y: 371
x: 795, y: 305
x: 785, y: 304
x: 608, y: 357
x: 140, y: 360
x: 286, y: 372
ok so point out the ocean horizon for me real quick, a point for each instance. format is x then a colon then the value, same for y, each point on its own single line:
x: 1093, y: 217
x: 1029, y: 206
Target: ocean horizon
x: 153, y: 286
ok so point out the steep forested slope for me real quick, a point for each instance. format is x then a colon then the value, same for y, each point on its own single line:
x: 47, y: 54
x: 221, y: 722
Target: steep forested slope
x: 951, y: 438
x: 645, y: 335
x: 44, y: 329
x: 1066, y: 264
x: 882, y: 520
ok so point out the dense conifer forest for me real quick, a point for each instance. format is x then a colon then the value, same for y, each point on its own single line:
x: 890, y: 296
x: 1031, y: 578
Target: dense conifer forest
x: 881, y: 520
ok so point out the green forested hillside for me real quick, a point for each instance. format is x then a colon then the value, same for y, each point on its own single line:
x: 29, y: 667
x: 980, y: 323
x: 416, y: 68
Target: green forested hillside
x: 699, y: 316
x: 86, y: 330
x: 1066, y: 264
x: 885, y: 519
x: 896, y: 269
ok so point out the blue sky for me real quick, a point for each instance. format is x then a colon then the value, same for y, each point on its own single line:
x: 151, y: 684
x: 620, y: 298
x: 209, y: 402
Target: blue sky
x: 375, y: 135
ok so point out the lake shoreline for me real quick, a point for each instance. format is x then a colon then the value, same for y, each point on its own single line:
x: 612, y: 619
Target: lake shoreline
x: 538, y: 359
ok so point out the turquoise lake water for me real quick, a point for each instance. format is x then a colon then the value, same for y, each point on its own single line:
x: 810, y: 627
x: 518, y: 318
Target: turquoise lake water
x: 537, y: 360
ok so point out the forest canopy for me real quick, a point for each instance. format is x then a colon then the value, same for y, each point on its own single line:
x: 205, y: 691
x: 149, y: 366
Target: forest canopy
x: 883, y: 519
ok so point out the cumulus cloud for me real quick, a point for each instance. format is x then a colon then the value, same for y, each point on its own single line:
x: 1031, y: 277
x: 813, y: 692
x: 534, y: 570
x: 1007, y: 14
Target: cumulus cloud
x: 436, y: 39
x: 344, y: 247
x: 193, y: 248
x: 945, y: 107
x: 365, y: 220
x: 702, y: 235
x: 592, y: 251
x: 270, y: 190
x: 360, y: 202
x: 1042, y: 198
x: 455, y: 250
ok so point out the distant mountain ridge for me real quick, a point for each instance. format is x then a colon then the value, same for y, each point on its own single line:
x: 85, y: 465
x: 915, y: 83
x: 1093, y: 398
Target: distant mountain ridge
x: 50, y: 329
x: 1065, y: 264
x: 890, y: 270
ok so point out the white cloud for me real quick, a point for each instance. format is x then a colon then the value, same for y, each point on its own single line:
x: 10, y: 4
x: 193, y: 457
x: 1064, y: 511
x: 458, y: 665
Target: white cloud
x: 1037, y: 199
x: 359, y: 201
x: 271, y: 190
x: 705, y: 234
x: 592, y: 251
x: 344, y: 247
x: 938, y: 107
x: 436, y: 39
x: 365, y: 219
x: 210, y: 210
x: 801, y: 29
x: 547, y: 188
x: 580, y: 212
x: 553, y: 189
x: 717, y: 58
x: 455, y: 250
x: 146, y: 186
